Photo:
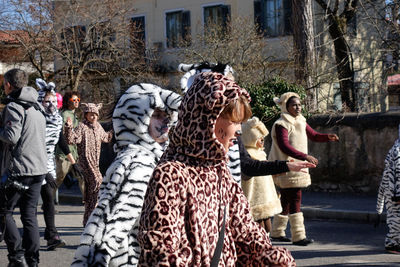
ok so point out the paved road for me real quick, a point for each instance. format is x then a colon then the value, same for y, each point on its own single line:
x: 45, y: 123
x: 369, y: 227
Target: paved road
x: 337, y: 243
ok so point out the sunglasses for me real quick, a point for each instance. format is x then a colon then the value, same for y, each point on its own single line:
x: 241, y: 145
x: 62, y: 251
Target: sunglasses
x: 75, y: 99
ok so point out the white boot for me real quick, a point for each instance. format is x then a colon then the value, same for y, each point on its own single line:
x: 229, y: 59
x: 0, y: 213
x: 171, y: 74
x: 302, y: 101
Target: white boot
x: 279, y: 225
x: 298, y: 230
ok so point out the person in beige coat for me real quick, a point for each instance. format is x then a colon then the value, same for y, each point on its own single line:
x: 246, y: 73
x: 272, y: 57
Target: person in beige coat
x: 259, y: 190
x: 290, y: 134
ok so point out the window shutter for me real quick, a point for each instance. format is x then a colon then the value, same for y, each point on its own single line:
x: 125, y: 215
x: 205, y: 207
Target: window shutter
x: 258, y: 21
x: 287, y: 8
x: 186, y: 30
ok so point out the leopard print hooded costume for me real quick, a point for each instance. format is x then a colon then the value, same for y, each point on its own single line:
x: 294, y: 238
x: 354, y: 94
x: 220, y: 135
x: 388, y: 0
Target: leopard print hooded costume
x: 191, y: 185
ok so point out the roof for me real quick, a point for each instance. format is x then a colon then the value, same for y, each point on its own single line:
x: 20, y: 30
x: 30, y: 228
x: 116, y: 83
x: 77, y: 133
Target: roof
x: 8, y: 37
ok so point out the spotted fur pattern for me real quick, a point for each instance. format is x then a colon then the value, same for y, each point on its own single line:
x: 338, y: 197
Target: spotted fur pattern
x: 109, y: 238
x: 191, y: 71
x: 190, y: 188
x: 389, y: 188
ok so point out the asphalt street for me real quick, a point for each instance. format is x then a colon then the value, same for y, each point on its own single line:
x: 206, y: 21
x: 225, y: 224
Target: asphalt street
x: 337, y: 243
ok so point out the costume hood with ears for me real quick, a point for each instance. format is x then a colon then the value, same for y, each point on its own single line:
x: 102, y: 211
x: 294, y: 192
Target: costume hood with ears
x: 252, y: 130
x: 91, y: 107
x: 191, y: 70
x: 283, y: 100
x: 43, y: 88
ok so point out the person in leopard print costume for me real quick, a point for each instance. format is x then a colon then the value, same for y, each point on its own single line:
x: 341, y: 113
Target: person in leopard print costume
x: 192, y: 194
x: 88, y: 136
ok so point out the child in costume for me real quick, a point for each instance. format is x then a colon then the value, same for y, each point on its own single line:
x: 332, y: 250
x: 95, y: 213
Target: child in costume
x: 88, y: 136
x: 259, y: 190
x: 389, y: 196
x: 110, y: 235
x: 289, y: 142
x: 193, y: 209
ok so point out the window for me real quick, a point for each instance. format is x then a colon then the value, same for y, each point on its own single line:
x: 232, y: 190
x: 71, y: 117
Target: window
x: 177, y: 28
x: 216, y: 15
x: 273, y: 16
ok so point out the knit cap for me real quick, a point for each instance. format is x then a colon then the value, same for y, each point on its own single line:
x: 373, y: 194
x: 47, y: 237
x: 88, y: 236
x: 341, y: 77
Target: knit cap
x: 91, y: 107
x: 283, y: 100
x: 252, y: 130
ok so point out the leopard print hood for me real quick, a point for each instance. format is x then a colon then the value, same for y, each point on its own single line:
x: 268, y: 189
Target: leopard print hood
x: 194, y: 134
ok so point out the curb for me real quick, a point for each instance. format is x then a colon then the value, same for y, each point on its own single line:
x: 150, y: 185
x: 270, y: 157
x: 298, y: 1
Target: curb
x: 343, y: 215
x: 309, y: 213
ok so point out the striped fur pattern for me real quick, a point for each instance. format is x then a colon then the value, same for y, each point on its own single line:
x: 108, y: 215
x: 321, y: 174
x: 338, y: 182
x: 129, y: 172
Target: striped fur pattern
x: 109, y: 238
x: 389, y: 188
x: 54, y: 123
x: 191, y: 71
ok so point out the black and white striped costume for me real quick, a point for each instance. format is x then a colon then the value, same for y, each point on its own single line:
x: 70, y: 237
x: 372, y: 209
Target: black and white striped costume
x: 109, y: 238
x: 389, y: 194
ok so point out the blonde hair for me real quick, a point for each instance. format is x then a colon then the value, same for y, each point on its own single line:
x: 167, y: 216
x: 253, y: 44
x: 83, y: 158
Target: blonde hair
x: 238, y: 110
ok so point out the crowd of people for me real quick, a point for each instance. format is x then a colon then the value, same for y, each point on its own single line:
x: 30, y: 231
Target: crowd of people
x: 172, y: 195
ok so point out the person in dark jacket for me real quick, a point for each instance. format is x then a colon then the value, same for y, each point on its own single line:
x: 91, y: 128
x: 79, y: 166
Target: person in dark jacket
x: 23, y: 167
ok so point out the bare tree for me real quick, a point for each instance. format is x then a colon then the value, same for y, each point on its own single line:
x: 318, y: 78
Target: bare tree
x: 93, y: 43
x: 304, y: 54
x: 339, y: 14
x: 239, y: 43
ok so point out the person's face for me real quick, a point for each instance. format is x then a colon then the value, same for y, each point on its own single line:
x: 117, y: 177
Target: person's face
x: 260, y: 142
x: 73, y: 102
x: 226, y: 131
x: 50, y: 104
x: 91, y: 117
x: 7, y: 88
x: 294, y: 107
x: 158, y: 127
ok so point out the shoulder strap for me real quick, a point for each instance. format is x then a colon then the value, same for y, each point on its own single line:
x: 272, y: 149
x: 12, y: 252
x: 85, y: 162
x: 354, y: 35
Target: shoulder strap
x: 220, y: 244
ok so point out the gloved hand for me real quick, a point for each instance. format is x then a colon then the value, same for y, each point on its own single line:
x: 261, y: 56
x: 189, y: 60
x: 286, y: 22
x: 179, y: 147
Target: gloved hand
x: 50, y: 181
x: 377, y: 220
x: 77, y: 169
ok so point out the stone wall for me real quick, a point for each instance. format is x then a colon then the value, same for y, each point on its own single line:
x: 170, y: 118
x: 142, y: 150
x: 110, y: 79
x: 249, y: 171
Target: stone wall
x: 355, y: 163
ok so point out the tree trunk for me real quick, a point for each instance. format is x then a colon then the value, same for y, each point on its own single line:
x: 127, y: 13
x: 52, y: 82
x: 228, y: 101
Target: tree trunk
x: 344, y: 66
x: 304, y: 53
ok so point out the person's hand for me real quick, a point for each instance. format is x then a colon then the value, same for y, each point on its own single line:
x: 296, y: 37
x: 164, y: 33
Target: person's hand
x: 311, y: 159
x: 50, y: 181
x: 77, y: 169
x: 299, y: 166
x: 68, y: 122
x: 333, y: 137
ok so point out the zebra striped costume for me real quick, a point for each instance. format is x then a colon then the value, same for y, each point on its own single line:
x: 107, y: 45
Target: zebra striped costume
x: 191, y: 70
x: 54, y: 125
x: 109, y: 238
x: 389, y: 194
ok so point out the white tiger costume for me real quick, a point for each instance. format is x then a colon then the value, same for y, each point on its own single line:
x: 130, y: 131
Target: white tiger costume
x: 191, y: 70
x: 109, y: 238
x: 389, y: 194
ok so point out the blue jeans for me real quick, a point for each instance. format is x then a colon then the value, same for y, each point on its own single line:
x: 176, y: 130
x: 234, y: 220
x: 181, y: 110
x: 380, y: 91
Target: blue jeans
x: 29, y: 244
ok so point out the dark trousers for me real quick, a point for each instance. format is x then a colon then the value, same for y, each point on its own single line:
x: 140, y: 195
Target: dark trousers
x: 47, y: 194
x: 290, y: 200
x: 29, y: 244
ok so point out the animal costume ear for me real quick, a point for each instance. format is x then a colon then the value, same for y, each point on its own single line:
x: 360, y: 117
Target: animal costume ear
x: 99, y: 106
x: 51, y: 86
x: 41, y: 84
x: 84, y: 106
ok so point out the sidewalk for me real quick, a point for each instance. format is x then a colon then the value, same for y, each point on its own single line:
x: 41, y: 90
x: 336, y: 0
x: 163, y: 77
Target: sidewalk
x: 315, y: 205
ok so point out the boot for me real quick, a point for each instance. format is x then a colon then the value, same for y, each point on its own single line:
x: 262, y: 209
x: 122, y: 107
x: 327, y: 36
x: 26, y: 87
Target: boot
x: 18, y: 262
x: 279, y: 225
x: 267, y: 225
x: 298, y: 230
